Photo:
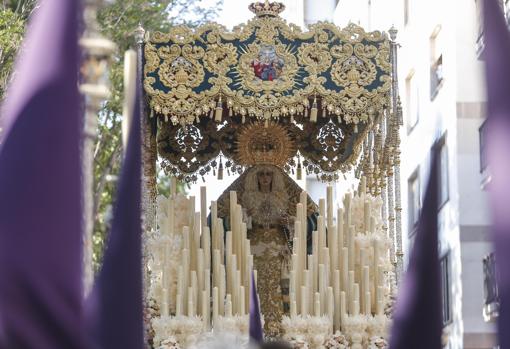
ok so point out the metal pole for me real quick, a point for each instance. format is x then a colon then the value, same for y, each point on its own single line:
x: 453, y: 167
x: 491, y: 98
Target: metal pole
x: 95, y: 88
x: 397, y: 122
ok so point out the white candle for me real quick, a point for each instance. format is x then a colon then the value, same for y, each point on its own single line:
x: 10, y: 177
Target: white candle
x: 206, y: 246
x: 345, y: 269
x: 173, y: 186
x: 366, y: 282
x: 178, y: 305
x: 350, y: 290
x: 333, y: 249
x: 293, y: 306
x: 242, y: 306
x: 171, y: 217
x: 200, y: 269
x: 203, y: 207
x: 304, y: 301
x: 322, y: 286
x: 228, y: 306
x: 375, y: 266
x: 322, y: 207
x: 367, y: 214
x: 352, y: 251
x: 216, y: 305
x: 186, y: 238
x: 368, y: 304
x: 191, y: 304
x: 194, y: 288
x: 204, y: 310
x: 355, y: 303
x: 164, y: 302
x: 343, y: 309
x: 330, y: 307
x: 191, y: 208
x: 223, y: 290
x: 337, y: 291
x: 214, y: 216
x: 317, y: 307
x: 329, y: 196
x: 216, y: 268
x: 322, y: 232
x: 380, y: 304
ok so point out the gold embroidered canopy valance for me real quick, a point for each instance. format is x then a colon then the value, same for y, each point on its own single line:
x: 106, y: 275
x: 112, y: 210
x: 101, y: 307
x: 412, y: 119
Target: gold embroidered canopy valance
x: 326, y: 88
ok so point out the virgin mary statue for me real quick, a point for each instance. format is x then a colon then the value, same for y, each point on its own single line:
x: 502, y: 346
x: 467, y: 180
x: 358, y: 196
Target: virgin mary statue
x: 269, y: 197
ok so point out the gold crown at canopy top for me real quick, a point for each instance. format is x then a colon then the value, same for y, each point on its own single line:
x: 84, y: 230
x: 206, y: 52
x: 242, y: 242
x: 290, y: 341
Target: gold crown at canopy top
x: 266, y: 8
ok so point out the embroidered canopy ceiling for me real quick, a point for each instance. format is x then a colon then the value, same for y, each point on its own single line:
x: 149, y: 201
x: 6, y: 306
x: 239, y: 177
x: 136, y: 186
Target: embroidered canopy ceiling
x: 268, y: 91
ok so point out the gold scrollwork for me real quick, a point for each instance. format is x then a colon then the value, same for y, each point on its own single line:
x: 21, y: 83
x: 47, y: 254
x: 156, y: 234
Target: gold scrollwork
x: 266, y: 69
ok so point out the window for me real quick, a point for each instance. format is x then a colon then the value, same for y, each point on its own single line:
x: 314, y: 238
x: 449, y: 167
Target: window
x: 444, y: 264
x: 412, y: 101
x: 436, y: 62
x: 490, y: 288
x: 483, y: 146
x: 406, y: 12
x: 413, y: 186
x: 443, y: 185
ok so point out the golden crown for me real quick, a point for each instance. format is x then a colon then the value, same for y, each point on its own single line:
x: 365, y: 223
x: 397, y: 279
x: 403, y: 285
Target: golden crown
x: 267, y: 8
x: 258, y: 144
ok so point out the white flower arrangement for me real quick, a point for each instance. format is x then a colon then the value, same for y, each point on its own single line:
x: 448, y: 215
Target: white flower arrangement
x: 377, y: 342
x: 336, y: 341
x: 185, y: 329
x: 169, y: 343
x: 297, y: 342
x: 213, y: 340
x: 378, y: 326
x: 312, y: 329
x: 355, y: 327
x: 358, y: 211
x: 233, y: 325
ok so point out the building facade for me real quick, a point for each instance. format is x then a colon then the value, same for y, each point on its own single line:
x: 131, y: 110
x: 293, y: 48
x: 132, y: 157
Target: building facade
x: 442, y: 91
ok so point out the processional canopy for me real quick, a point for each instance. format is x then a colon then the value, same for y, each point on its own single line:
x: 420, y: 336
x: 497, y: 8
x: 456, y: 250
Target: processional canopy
x: 269, y: 92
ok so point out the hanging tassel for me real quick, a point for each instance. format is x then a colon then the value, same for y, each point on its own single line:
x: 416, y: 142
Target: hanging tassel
x: 266, y: 123
x: 292, y: 118
x: 220, y: 170
x: 230, y: 112
x: 314, y: 111
x: 243, y: 119
x: 355, y: 128
x: 299, y: 171
x: 219, y: 111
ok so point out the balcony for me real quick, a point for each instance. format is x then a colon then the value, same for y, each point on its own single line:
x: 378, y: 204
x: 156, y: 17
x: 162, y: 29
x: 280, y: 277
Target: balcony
x: 490, y: 289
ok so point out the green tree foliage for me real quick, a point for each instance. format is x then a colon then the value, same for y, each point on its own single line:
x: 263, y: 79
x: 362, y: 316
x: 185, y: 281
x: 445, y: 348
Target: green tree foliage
x: 117, y: 21
x: 13, y: 18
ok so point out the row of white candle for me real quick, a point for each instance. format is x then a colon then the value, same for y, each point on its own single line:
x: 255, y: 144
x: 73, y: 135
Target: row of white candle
x: 337, y: 279
x: 226, y: 255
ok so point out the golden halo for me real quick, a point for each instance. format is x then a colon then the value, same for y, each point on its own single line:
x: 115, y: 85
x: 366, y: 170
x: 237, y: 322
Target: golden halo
x: 261, y: 145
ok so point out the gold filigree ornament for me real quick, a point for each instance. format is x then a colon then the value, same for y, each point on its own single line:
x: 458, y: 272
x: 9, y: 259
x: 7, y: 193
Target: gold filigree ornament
x: 267, y: 69
x: 261, y: 145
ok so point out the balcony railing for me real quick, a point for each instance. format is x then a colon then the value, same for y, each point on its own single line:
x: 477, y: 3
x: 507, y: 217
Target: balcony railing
x: 490, y: 288
x: 436, y: 76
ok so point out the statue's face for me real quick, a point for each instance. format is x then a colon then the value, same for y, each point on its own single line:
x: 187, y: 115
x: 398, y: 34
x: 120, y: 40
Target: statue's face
x: 265, y: 179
